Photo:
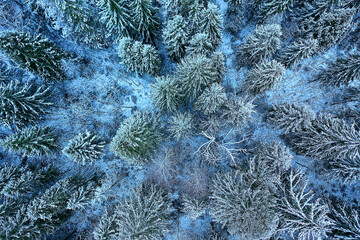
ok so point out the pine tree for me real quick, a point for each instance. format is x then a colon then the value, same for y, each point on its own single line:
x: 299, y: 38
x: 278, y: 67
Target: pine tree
x: 144, y: 215
x: 137, y: 138
x: 117, y: 16
x: 212, y: 99
x: 264, y: 76
x: 35, y: 54
x: 300, y: 212
x: 138, y: 57
x: 195, y: 73
x: 212, y: 24
x: 199, y: 44
x: 175, y: 37
x: 263, y: 43
x: 85, y: 148
x: 219, y: 65
x: 21, y: 105
x: 329, y: 137
x: 181, y: 125
x: 145, y: 16
x: 166, y: 93
x: 330, y: 28
x: 291, y: 117
x: 32, y: 141
x: 243, y: 204
x: 272, y: 7
x: 238, y: 111
x: 341, y: 72
x: 299, y: 50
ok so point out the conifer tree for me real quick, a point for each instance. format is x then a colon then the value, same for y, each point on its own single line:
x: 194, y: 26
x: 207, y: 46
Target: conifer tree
x: 300, y: 212
x: 195, y: 73
x: 243, y: 204
x: 21, y: 105
x: 212, y: 24
x: 145, y: 17
x: 137, y: 138
x: 219, y: 65
x: 181, y: 125
x: 85, y: 148
x: 263, y: 43
x: 291, y: 117
x: 199, y: 44
x: 212, y: 99
x: 299, y: 50
x: 341, y: 72
x: 150, y: 60
x: 346, y: 170
x: 34, y: 53
x: 264, y: 76
x: 175, y: 37
x: 117, y: 16
x: 32, y: 141
x: 166, y: 93
x: 144, y: 215
x: 196, y: 14
x: 238, y: 111
x: 272, y: 7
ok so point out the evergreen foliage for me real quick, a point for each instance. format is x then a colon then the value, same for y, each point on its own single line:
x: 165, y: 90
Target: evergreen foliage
x: 142, y: 216
x: 243, y: 204
x: 117, y: 16
x: 195, y: 73
x: 181, y: 125
x: 196, y: 13
x: 137, y: 138
x: 330, y: 27
x: 138, y: 57
x: 85, y: 148
x: 212, y: 24
x: 219, y: 65
x: 21, y: 105
x: 301, y: 214
x: 175, y: 37
x: 34, y: 53
x: 32, y: 141
x: 346, y: 170
x: 212, y: 99
x: 40, y: 216
x: 238, y: 111
x: 166, y: 93
x: 299, y: 50
x: 199, y: 44
x: 342, y: 72
x: 194, y: 207
x: 329, y: 137
x: 291, y: 117
x: 144, y: 15
x: 264, y: 76
x: 263, y: 43
x: 272, y: 7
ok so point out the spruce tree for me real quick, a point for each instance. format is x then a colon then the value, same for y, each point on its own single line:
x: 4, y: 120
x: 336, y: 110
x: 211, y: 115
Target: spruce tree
x: 150, y: 60
x: 264, y: 76
x: 21, y: 105
x: 137, y: 138
x: 263, y: 43
x: 117, y: 16
x: 342, y: 72
x: 181, y: 125
x: 196, y: 15
x: 212, y: 24
x: 238, y: 111
x: 32, y: 141
x: 200, y: 44
x: 219, y: 65
x: 34, y: 53
x: 301, y: 214
x: 85, y: 148
x: 299, y: 50
x: 175, y: 37
x: 212, y: 99
x: 272, y: 7
x: 195, y: 73
x: 144, y: 15
x: 166, y: 93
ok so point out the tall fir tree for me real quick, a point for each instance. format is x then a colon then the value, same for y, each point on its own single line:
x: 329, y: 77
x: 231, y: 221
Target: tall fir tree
x: 212, y: 24
x: 32, y: 141
x: 36, y: 54
x: 176, y: 37
x: 21, y: 105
